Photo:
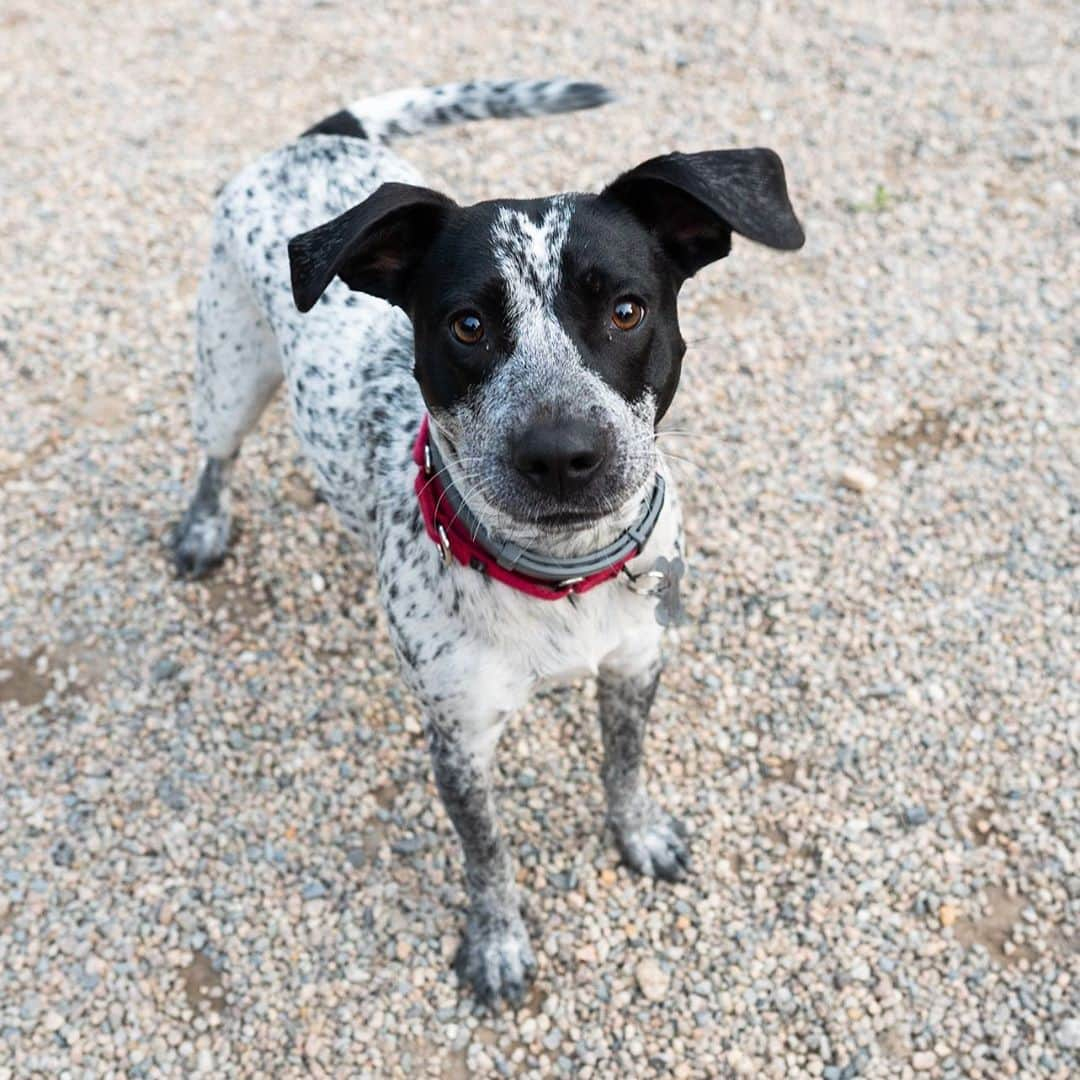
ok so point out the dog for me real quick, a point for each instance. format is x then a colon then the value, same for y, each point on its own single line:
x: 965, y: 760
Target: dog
x: 478, y: 389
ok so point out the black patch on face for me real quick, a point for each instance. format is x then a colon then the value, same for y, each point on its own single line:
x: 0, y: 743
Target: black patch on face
x: 459, y: 273
x: 608, y: 254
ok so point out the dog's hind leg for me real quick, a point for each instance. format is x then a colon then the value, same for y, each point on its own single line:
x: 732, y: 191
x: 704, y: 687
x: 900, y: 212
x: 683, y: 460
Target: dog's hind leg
x: 237, y: 372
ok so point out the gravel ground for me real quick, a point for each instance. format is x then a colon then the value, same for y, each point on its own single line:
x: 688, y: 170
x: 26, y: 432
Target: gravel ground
x: 221, y: 853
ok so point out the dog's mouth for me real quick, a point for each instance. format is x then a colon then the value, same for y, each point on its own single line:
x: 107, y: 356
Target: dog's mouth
x: 531, y: 521
x: 588, y: 518
x: 522, y: 511
x: 569, y: 519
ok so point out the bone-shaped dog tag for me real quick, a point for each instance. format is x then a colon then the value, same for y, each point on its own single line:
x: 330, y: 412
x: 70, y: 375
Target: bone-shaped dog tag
x: 669, y: 608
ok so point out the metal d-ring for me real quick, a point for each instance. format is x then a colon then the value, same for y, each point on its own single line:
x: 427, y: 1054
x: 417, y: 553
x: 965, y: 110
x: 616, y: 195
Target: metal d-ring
x: 656, y: 575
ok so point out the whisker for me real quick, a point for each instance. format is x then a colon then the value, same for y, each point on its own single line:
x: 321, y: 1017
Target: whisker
x: 676, y: 434
x: 669, y: 455
x: 435, y: 476
x: 469, y: 480
x: 707, y: 340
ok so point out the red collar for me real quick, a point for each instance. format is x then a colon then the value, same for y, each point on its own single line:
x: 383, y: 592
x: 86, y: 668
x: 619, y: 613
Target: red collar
x: 471, y: 546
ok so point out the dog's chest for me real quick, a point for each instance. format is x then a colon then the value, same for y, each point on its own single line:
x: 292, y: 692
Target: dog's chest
x: 487, y: 646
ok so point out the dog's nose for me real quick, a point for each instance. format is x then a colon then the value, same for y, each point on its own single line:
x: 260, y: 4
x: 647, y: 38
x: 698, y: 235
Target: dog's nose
x: 561, y: 458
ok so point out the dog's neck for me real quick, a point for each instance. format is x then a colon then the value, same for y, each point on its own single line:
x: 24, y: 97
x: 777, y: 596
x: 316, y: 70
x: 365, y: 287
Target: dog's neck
x: 543, y: 540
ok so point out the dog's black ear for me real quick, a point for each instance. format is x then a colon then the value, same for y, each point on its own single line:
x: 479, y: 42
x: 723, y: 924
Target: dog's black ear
x: 373, y: 248
x: 694, y: 202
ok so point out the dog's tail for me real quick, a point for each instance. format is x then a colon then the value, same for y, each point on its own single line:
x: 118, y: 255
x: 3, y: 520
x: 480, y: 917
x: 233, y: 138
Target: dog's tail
x: 409, y: 112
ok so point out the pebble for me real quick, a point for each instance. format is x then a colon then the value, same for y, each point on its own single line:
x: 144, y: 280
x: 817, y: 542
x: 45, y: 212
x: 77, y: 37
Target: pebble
x: 1068, y: 1035
x: 923, y: 1060
x: 858, y: 479
x: 165, y: 669
x: 652, y: 980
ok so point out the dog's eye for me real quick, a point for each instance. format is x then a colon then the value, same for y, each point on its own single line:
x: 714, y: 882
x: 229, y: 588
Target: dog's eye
x: 467, y: 327
x: 627, y: 313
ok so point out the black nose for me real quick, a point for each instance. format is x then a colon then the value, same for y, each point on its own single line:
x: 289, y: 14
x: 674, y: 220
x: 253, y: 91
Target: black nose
x: 560, y: 458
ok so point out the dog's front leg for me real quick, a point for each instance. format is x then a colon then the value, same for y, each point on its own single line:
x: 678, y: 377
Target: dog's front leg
x: 495, y: 957
x: 651, y: 841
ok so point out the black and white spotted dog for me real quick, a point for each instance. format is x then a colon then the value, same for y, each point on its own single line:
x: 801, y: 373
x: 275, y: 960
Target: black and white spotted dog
x: 514, y: 358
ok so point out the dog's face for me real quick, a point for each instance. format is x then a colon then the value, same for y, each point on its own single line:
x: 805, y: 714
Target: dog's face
x: 546, y: 352
x: 546, y: 331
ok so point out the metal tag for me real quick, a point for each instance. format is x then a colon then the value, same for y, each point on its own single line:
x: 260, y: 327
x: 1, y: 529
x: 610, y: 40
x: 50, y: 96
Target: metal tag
x: 669, y: 608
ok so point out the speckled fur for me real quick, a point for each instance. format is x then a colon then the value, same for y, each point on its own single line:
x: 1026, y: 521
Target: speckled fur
x: 471, y: 650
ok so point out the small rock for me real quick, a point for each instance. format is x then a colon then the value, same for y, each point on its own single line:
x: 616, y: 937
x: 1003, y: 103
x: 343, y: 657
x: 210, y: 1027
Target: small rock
x: 948, y: 914
x: 916, y: 815
x: 652, y: 980
x: 166, y: 668
x: 1068, y: 1035
x: 586, y: 955
x: 860, y: 971
x: 856, y: 478
x: 313, y: 890
x: 63, y: 854
x: 923, y: 1060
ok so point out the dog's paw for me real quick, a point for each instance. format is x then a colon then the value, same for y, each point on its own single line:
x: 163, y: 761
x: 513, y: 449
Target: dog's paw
x: 199, y: 542
x: 496, y: 960
x: 655, y: 845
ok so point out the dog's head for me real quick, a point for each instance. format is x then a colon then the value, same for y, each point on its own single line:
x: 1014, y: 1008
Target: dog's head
x: 547, y: 336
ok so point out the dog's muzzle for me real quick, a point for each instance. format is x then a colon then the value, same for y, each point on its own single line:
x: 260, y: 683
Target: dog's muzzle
x: 462, y: 538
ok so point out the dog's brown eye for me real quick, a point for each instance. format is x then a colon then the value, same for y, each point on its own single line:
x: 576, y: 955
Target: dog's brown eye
x: 627, y: 313
x: 467, y: 327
